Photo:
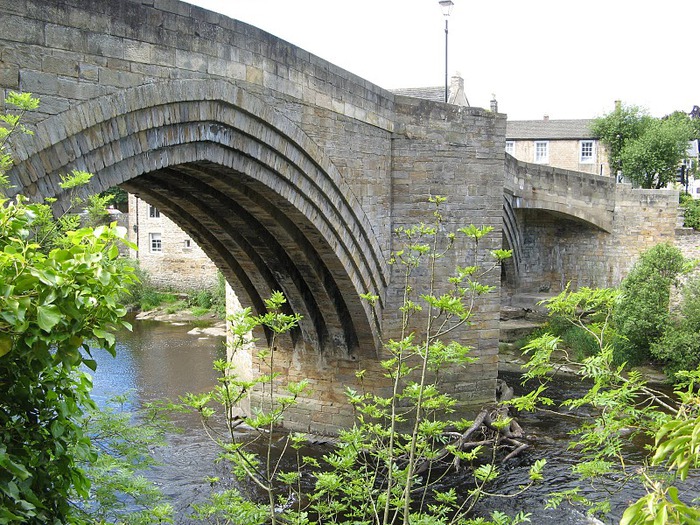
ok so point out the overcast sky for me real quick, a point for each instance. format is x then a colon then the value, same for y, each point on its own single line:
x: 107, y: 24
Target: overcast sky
x: 547, y: 57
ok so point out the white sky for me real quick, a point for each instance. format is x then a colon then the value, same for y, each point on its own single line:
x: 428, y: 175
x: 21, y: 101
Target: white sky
x: 559, y: 58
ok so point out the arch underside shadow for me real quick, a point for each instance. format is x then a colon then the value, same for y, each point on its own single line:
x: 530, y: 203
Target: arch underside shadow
x: 569, y: 211
x: 246, y: 183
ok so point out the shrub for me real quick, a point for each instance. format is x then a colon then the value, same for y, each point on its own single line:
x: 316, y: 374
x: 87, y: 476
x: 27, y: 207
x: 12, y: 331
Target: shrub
x: 643, y: 312
x: 691, y: 209
x: 679, y: 348
x: 690, y: 305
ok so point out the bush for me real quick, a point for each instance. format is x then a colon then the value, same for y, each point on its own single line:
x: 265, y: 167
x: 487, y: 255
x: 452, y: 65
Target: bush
x: 690, y: 305
x: 691, y: 209
x: 679, y: 348
x: 152, y: 299
x: 642, y: 315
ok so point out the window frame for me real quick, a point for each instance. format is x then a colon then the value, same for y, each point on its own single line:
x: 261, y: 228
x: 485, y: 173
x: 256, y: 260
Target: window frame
x: 591, y: 158
x: 545, y: 158
x: 155, y: 242
x: 510, y: 147
x: 153, y: 212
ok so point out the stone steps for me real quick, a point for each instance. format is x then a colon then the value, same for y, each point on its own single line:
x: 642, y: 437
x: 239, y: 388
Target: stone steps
x: 522, y: 315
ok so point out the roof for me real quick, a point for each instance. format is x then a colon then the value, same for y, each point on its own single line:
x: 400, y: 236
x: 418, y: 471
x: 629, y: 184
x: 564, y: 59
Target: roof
x: 549, y: 129
x: 436, y: 93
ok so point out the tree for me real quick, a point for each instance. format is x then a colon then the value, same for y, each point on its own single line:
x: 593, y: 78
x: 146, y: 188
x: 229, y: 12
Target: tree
x: 652, y: 160
x: 648, y: 150
x: 59, y: 290
x: 624, y: 124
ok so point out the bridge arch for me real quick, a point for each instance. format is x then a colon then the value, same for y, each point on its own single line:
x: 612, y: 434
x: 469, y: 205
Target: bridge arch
x: 258, y: 195
x: 582, y: 197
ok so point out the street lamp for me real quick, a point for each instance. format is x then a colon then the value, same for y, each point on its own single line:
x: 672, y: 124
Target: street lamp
x: 446, y: 6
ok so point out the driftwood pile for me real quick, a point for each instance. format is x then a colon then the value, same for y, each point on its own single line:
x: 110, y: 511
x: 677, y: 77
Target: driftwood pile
x: 486, y: 431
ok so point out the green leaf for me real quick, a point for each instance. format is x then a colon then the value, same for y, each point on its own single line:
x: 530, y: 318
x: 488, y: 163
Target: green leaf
x: 5, y: 344
x: 48, y: 317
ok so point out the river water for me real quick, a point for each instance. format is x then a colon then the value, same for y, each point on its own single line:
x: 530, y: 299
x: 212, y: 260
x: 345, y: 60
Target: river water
x: 163, y: 361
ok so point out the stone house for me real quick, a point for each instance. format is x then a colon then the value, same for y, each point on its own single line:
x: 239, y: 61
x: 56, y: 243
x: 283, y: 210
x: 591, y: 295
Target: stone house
x: 566, y: 144
x: 170, y: 257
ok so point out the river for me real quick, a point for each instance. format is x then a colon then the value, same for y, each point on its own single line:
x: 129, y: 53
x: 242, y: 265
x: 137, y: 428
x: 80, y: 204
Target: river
x: 163, y: 361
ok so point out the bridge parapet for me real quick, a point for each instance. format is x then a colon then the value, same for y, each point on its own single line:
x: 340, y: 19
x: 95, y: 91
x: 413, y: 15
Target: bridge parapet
x: 102, y: 46
x: 579, y: 196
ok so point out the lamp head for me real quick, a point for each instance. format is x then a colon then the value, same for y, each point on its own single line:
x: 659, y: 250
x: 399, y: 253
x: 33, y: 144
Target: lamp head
x: 446, y: 6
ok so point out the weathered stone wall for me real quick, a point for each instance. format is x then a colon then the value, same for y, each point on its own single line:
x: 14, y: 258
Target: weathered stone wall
x: 180, y: 264
x: 688, y: 241
x: 558, y: 250
x: 582, y: 196
x: 70, y: 51
x: 460, y: 156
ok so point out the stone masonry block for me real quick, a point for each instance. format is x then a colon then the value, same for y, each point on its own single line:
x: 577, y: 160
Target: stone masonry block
x: 105, y: 45
x: 88, y: 72
x: 68, y: 38
x: 38, y: 82
x: 9, y: 75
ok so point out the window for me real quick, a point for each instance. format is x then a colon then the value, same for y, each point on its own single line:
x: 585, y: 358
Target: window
x: 153, y: 212
x: 542, y: 152
x: 510, y: 147
x: 586, y: 150
x: 155, y: 242
x: 188, y: 243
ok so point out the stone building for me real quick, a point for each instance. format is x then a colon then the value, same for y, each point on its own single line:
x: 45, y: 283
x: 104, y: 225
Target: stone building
x: 566, y: 144
x: 169, y: 256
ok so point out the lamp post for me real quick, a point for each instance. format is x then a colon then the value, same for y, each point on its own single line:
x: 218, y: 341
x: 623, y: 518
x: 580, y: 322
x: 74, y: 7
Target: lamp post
x: 446, y: 6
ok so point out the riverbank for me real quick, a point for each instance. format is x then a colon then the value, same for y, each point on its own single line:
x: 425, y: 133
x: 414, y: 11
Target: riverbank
x: 511, y: 359
x: 206, y: 325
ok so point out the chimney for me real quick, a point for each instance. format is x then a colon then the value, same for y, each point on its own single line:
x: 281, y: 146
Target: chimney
x: 494, y: 103
x: 457, y: 95
x: 546, y: 118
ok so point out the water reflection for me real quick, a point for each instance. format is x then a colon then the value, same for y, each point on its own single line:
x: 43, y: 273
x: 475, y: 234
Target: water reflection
x: 159, y: 361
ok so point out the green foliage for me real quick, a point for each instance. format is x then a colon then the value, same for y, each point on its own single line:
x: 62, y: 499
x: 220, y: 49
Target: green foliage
x: 266, y: 472
x: 211, y: 299
x: 96, y: 210
x: 643, y: 312
x: 51, y: 304
x: 152, y: 298
x: 647, y: 150
x: 679, y: 348
x: 117, y: 196
x: 677, y: 447
x: 690, y: 304
x: 10, y: 124
x: 60, y: 289
x: 623, y: 124
x: 387, y: 468
x: 691, y: 211
x: 624, y: 409
x: 123, y: 441
x: 652, y: 160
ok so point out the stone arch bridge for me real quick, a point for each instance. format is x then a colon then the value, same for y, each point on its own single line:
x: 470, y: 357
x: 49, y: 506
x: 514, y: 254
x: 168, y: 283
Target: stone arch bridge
x: 289, y: 172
